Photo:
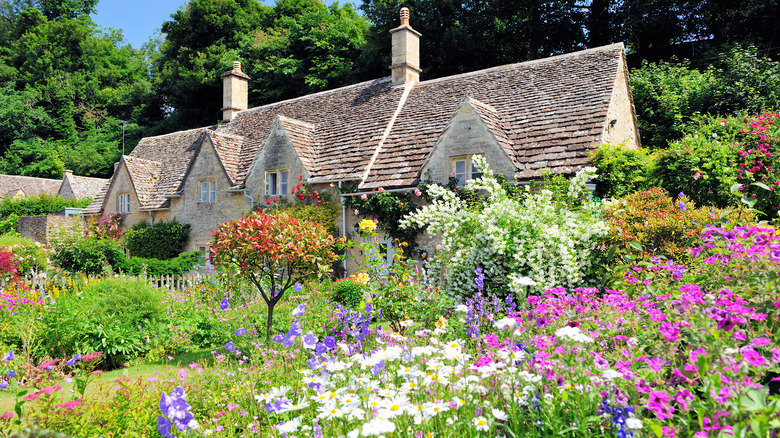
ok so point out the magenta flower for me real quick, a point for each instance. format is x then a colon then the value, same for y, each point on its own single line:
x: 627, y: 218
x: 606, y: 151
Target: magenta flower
x: 600, y: 362
x: 658, y: 402
x: 684, y: 397
x: 669, y: 331
x: 753, y: 357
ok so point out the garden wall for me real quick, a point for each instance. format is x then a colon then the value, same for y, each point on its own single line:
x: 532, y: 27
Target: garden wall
x: 41, y: 228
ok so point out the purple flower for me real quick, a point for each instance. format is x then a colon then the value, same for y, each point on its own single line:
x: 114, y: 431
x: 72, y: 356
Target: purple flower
x: 11, y: 373
x: 774, y: 254
x: 330, y: 342
x: 309, y: 341
x: 230, y: 346
x: 8, y: 356
x: 542, y: 322
x: 176, y: 408
x: 299, y: 310
x: 295, y: 328
x: 600, y: 363
x: 297, y: 287
x: 480, y: 279
x: 241, y: 331
x: 72, y: 361
x: 376, y: 369
x: 320, y: 349
x: 369, y: 307
x: 726, y: 324
x: 224, y: 304
x: 670, y: 332
x: 3, y: 384
x: 681, y: 205
x: 288, y: 340
x: 680, y: 195
x: 164, y: 426
x: 658, y: 402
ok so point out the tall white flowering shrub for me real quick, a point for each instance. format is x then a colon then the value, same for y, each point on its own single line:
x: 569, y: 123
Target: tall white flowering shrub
x: 533, y: 242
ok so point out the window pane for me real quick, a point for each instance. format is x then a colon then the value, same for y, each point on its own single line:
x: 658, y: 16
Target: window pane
x: 475, y: 173
x: 283, y: 183
x: 267, y: 183
x: 274, y: 184
x: 203, y: 193
x: 460, y: 171
x: 212, y: 191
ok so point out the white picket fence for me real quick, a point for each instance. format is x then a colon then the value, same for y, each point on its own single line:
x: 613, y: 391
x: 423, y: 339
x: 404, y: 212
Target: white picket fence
x: 167, y: 281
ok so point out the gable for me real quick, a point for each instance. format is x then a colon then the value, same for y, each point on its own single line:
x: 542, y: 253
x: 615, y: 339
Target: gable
x: 206, y: 165
x: 473, y: 129
x: 278, y: 152
x: 620, y: 125
x: 121, y: 183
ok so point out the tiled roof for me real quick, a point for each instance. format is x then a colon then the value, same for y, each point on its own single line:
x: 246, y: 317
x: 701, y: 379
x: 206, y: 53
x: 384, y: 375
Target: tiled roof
x: 96, y: 206
x: 546, y: 113
x: 28, y: 185
x: 85, y: 187
x: 147, y: 177
x: 553, y: 110
x: 228, y: 149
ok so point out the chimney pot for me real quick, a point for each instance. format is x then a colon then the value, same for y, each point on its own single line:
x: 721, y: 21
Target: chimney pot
x: 235, y: 92
x: 237, y: 65
x: 404, y: 16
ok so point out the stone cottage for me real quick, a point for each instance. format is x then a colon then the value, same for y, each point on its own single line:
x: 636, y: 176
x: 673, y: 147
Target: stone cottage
x: 548, y: 113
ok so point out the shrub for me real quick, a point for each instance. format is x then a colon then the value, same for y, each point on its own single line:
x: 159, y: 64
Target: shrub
x: 162, y: 240
x: 107, y: 227
x: 622, y: 170
x: 31, y: 256
x: 9, y: 225
x: 40, y: 205
x: 114, y: 315
x: 347, y: 293
x: 91, y: 257
x: 176, y: 266
x: 651, y: 223
x: 545, y: 238
x: 703, y: 163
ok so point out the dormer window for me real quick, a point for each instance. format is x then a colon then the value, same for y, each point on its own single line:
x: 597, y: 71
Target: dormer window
x: 124, y: 203
x: 276, y: 182
x: 463, y: 169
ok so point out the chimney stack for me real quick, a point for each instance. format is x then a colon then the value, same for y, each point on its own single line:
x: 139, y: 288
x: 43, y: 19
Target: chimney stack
x: 406, y: 52
x: 235, y: 92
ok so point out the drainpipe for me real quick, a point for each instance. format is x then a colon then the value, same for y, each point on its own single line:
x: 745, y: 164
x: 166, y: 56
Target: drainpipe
x: 151, y: 218
x: 343, y: 224
x: 252, y: 205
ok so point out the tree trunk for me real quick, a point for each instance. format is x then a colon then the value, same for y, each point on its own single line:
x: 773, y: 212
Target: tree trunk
x: 270, y: 320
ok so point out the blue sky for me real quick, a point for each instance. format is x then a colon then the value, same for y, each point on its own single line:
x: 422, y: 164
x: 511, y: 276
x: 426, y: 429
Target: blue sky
x: 138, y: 19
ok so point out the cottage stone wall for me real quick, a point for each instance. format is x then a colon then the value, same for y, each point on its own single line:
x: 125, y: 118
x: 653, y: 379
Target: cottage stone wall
x: 466, y: 135
x: 621, y: 110
x: 122, y: 185
x: 205, y: 217
x: 276, y: 153
x: 42, y: 228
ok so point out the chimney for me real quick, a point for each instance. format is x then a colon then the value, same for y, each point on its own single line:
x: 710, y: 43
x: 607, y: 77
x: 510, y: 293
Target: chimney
x: 406, y: 52
x: 66, y: 172
x: 235, y: 92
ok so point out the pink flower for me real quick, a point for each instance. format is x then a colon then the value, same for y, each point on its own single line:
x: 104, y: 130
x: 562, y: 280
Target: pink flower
x: 381, y: 190
x: 658, y: 402
x: 357, y: 212
x: 6, y: 416
x: 669, y: 432
x: 753, y: 357
x: 684, y: 398
x: 740, y: 336
x: 669, y: 331
x: 776, y: 355
x: 760, y: 342
x: 363, y: 197
x: 50, y: 389
x: 417, y: 192
x: 696, y: 175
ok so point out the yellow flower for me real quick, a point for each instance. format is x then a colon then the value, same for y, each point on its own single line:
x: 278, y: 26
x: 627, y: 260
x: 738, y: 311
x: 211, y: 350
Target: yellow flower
x: 361, y: 279
x: 367, y: 226
x: 442, y: 322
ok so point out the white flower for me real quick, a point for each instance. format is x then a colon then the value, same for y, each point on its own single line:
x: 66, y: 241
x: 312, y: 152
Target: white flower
x: 633, y: 423
x: 290, y: 426
x: 481, y: 423
x: 504, y: 323
x: 461, y: 308
x: 377, y: 427
x: 499, y: 414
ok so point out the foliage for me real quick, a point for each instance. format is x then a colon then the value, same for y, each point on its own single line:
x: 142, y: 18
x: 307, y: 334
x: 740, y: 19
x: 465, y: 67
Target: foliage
x: 543, y: 237
x: 308, y: 204
x: 30, y: 256
x: 669, y: 98
x: 273, y: 252
x: 162, y: 240
x: 9, y: 225
x: 115, y: 315
x: 39, y: 205
x: 8, y: 269
x: 703, y: 163
x: 347, y: 293
x: 181, y: 264
x: 622, y: 170
x: 758, y: 171
x: 389, y: 209
x: 88, y: 256
x: 106, y: 227
x: 651, y: 223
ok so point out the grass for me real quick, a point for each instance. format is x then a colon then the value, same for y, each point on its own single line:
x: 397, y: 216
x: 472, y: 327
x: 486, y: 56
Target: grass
x: 161, y: 368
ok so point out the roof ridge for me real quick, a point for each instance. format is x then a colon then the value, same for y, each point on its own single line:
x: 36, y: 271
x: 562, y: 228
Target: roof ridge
x: 524, y: 63
x: 180, y: 132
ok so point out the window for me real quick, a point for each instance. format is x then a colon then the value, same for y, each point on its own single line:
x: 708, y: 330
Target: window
x: 276, y: 182
x: 208, y: 191
x: 204, y: 250
x: 124, y: 203
x: 464, y: 169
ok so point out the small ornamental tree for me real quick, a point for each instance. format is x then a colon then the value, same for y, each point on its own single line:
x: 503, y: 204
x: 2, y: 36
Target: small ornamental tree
x: 273, y: 252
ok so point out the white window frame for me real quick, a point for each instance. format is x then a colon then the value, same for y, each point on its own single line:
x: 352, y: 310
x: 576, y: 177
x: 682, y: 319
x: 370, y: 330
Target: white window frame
x: 277, y: 182
x: 470, y: 171
x: 208, y: 192
x: 123, y: 200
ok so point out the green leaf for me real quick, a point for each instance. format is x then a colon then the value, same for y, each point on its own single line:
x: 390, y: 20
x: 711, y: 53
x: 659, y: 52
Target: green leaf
x: 725, y: 214
x: 750, y: 202
x: 636, y: 245
x: 657, y: 430
x: 762, y: 185
x: 735, y: 188
x: 611, y: 252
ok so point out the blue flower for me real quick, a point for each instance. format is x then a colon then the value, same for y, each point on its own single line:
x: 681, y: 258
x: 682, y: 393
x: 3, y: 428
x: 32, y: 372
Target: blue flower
x: 299, y: 310
x: 329, y: 342
x: 72, y: 361
x: 310, y: 341
x: 681, y: 205
x: 11, y: 373
x: 3, y: 384
x: 369, y: 307
x: 480, y: 279
x: 164, y: 426
x: 224, y: 304
x: 241, y: 331
x: 176, y: 408
x: 295, y: 328
x: 8, y: 356
x: 230, y: 347
x: 680, y: 195
x: 297, y: 287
